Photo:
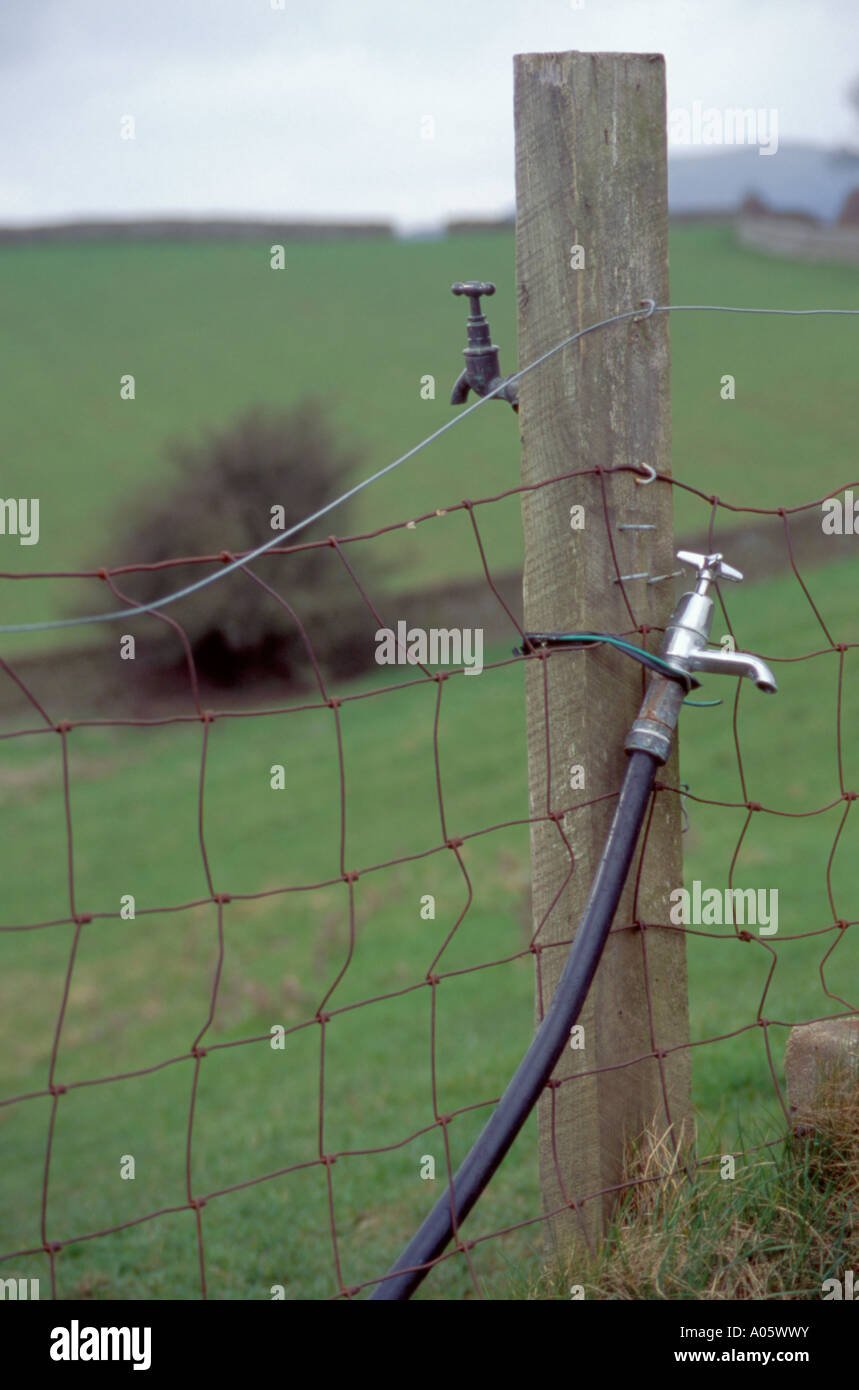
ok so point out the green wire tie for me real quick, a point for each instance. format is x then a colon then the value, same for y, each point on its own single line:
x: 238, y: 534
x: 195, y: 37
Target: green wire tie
x: 656, y: 663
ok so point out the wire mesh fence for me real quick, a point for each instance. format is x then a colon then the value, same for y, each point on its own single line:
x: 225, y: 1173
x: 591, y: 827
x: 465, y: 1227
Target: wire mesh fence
x: 382, y: 1024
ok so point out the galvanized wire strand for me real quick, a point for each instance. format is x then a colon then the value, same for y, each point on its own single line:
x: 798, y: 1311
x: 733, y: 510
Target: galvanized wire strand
x: 282, y: 536
x: 744, y: 309
x: 156, y: 604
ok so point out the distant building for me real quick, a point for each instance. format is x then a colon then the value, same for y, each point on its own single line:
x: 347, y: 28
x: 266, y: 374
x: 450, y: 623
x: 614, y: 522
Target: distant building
x: 849, y: 215
x: 798, y: 235
x: 753, y: 206
x: 802, y: 180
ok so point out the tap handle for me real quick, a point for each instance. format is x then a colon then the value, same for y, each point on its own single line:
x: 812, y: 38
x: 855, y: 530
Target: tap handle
x: 474, y: 289
x: 710, y: 567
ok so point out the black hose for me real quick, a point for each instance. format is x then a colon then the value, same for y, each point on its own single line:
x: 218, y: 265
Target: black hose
x: 549, y: 1041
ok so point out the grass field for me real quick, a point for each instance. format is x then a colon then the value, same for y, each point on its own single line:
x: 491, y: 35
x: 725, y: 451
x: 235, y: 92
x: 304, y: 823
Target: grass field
x: 140, y: 990
x: 209, y: 329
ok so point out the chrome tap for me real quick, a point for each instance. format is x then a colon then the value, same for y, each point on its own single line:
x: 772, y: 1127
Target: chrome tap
x: 685, y: 648
x: 688, y: 632
x: 736, y: 664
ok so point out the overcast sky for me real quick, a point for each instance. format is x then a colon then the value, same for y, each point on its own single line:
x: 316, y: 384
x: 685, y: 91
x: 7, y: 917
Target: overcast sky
x: 317, y: 108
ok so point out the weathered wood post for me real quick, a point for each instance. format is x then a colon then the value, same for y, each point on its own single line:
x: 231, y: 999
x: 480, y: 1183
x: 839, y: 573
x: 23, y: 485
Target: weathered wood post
x: 592, y: 241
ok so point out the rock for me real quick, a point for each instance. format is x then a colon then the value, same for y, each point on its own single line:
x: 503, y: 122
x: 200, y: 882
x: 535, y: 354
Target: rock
x: 824, y: 1053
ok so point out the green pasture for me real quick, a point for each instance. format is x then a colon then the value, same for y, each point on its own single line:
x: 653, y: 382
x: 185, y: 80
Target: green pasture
x: 209, y: 329
x: 140, y: 990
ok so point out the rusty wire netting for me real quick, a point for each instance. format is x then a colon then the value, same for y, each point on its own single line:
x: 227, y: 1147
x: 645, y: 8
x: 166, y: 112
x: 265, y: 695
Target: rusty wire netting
x: 429, y: 1117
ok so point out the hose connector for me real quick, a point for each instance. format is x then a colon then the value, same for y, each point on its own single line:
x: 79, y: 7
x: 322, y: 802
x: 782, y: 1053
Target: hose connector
x: 685, y: 648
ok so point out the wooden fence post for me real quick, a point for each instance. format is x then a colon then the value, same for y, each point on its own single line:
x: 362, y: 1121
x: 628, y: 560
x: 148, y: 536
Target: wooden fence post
x: 592, y: 241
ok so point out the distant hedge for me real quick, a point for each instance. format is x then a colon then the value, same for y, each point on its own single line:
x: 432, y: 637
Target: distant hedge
x: 181, y: 229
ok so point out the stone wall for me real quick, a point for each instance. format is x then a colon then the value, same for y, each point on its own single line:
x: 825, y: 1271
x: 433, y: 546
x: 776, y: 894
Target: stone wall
x: 803, y: 240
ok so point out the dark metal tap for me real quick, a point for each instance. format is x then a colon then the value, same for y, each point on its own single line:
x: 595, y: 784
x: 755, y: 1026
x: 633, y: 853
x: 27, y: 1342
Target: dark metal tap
x: 482, y: 373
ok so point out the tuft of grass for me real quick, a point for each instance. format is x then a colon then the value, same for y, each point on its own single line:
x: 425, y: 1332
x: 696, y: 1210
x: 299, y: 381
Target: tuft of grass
x: 786, y: 1221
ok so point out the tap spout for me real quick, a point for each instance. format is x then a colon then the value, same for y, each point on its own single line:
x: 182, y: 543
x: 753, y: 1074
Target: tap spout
x: 734, y: 664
